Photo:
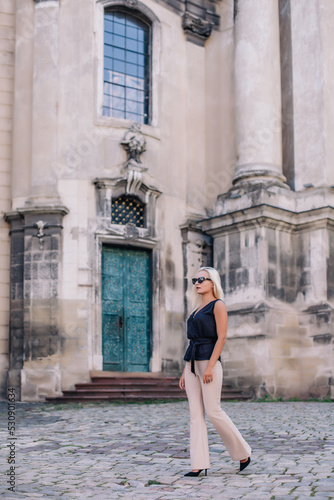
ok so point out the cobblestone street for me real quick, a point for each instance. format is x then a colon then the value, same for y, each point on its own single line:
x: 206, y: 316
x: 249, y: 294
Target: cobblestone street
x: 141, y: 451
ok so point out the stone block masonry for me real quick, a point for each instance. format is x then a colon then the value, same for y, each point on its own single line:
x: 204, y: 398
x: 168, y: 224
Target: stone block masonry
x: 35, y: 262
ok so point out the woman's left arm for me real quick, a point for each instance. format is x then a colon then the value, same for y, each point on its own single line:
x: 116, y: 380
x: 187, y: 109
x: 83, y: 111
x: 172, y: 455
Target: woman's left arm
x: 220, y: 313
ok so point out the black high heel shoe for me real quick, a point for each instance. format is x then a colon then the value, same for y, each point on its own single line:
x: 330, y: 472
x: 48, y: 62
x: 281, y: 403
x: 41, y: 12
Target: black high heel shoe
x: 196, y: 474
x: 243, y: 465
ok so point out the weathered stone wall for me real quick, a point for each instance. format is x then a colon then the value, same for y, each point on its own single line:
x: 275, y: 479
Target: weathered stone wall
x: 35, y: 343
x: 218, y: 87
x: 7, y: 43
x: 62, y: 144
x: 274, y: 267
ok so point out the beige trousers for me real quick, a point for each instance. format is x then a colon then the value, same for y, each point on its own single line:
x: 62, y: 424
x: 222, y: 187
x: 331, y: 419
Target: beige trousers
x: 207, y: 396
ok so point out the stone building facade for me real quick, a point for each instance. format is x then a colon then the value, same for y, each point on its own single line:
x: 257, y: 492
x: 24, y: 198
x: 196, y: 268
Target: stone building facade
x: 141, y: 139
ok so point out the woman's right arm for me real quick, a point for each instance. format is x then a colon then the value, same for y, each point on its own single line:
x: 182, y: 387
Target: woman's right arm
x: 181, y: 381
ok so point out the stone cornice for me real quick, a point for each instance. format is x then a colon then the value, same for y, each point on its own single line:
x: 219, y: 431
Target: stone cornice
x: 269, y: 216
x: 62, y: 210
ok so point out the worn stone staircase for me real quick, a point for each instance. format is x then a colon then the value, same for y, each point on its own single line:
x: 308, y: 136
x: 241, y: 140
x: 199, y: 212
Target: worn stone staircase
x: 117, y: 386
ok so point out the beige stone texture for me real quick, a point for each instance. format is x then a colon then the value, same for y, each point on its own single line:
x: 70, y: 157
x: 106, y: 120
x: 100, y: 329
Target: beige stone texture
x: 38, y: 383
x: 7, y: 34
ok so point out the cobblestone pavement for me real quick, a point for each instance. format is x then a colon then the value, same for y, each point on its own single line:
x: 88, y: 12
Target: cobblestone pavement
x: 140, y: 451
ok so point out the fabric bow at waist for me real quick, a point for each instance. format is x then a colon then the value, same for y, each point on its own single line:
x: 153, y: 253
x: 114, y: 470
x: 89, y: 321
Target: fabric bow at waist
x: 193, y: 346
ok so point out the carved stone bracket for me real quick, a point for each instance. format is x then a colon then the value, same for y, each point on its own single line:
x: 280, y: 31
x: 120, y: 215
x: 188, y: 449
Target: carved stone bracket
x: 41, y: 225
x: 134, y: 144
x: 196, y: 29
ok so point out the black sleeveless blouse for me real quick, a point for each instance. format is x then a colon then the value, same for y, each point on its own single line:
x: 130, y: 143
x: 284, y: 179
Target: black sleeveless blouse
x: 202, y: 333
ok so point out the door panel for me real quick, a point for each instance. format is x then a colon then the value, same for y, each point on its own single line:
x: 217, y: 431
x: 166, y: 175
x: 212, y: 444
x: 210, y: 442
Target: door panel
x: 126, y: 309
x: 112, y: 310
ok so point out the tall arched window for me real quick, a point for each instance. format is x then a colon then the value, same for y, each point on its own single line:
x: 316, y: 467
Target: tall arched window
x: 127, y: 49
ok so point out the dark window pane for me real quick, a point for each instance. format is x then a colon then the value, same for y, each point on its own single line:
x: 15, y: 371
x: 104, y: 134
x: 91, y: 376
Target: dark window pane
x: 108, y: 63
x: 118, y: 103
x: 119, y: 29
x: 119, y: 17
x: 118, y: 78
x: 119, y: 66
x: 131, y: 44
x: 108, y: 25
x: 108, y: 50
x: 131, y: 57
x: 119, y: 54
x: 131, y: 106
x: 107, y: 75
x: 106, y: 100
x: 140, y: 108
x: 131, y: 32
x: 107, y: 88
x: 118, y: 91
x: 108, y: 38
x: 132, y: 22
x: 135, y: 83
x: 133, y: 94
x: 118, y: 41
x: 131, y: 69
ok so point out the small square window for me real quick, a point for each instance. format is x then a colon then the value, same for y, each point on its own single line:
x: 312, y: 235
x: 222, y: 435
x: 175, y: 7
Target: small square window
x: 127, y: 209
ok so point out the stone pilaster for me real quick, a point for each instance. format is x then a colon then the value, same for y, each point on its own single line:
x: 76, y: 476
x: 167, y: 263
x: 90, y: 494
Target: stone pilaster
x: 34, y: 323
x: 45, y: 104
x: 16, y: 338
x: 258, y: 93
x: 197, y: 252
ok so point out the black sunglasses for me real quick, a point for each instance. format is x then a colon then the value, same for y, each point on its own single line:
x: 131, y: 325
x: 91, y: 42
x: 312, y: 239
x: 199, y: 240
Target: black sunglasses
x: 200, y: 280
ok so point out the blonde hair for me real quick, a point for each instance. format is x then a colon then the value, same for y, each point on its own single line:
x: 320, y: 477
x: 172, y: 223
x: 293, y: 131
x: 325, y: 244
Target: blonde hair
x: 217, y: 287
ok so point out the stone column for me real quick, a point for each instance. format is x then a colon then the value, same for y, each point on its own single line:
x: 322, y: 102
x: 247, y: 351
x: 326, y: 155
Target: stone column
x: 258, y: 92
x: 45, y: 103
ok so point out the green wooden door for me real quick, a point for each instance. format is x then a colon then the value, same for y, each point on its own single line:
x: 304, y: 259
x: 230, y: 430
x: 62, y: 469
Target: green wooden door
x: 125, y: 309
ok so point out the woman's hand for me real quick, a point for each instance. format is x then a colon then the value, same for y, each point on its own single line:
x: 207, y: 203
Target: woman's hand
x: 208, y: 375
x: 182, y: 384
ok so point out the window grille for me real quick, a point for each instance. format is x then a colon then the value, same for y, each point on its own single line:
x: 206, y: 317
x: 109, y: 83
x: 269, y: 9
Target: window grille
x: 127, y: 209
x: 126, y: 67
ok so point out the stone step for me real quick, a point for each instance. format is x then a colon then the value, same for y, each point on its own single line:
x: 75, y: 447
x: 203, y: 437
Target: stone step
x: 82, y: 397
x: 132, y: 383
x: 112, y: 386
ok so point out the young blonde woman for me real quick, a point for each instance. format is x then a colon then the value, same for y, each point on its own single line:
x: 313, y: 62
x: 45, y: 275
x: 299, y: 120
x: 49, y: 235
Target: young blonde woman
x: 202, y: 376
